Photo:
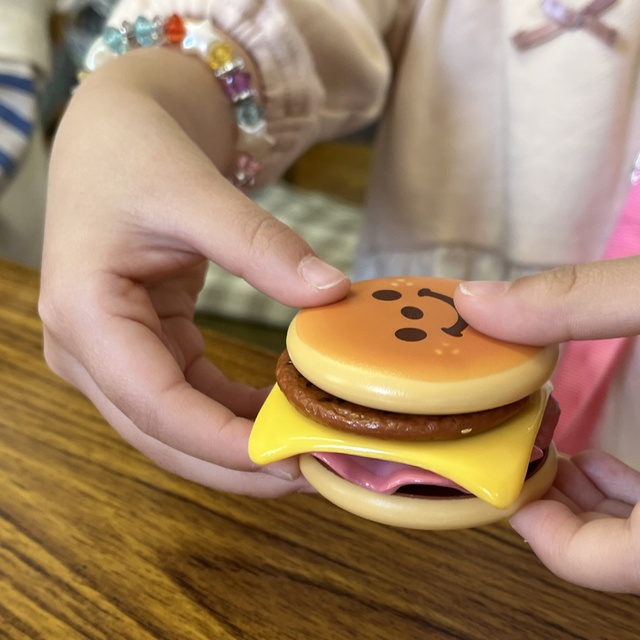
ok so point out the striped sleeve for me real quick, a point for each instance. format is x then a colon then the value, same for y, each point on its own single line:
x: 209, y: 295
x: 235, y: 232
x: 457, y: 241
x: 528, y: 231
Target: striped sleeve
x: 17, y: 114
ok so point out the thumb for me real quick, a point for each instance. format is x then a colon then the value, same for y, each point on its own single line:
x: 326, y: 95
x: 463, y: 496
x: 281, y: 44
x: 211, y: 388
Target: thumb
x: 587, y: 301
x: 249, y: 242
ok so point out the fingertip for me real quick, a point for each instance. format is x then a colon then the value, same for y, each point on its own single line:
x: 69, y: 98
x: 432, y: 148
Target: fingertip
x: 320, y: 275
x: 549, y: 528
x: 477, y: 300
x: 542, y: 520
x: 489, y: 307
x: 483, y: 289
x: 288, y: 469
x: 324, y: 282
x: 512, y: 311
x: 524, y: 517
x: 302, y: 282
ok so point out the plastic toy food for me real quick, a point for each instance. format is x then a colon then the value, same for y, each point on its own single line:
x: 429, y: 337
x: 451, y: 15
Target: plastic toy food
x: 406, y: 415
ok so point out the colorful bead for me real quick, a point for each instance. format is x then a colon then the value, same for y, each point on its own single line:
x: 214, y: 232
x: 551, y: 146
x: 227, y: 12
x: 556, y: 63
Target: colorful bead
x: 200, y: 37
x: 249, y: 114
x: 219, y: 55
x: 237, y: 86
x: 145, y: 32
x: 175, y: 29
x: 247, y: 169
x: 116, y: 40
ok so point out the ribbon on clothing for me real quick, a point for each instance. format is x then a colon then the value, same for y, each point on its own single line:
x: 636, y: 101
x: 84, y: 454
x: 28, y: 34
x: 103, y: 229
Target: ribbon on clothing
x: 563, y: 18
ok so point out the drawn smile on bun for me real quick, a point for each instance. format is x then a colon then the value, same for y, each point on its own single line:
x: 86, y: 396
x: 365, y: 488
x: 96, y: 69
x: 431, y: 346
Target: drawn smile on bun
x: 405, y: 415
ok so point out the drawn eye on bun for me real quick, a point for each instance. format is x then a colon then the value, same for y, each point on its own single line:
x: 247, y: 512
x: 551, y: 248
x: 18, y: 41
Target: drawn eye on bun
x: 404, y: 414
x: 413, y: 334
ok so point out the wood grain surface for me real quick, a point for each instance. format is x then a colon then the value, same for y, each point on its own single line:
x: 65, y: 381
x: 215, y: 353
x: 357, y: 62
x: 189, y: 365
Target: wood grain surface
x: 97, y: 542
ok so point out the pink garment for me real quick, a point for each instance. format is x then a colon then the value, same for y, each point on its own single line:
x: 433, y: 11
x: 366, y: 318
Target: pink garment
x: 587, y: 367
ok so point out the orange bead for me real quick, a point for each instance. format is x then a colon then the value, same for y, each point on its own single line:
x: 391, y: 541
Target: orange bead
x: 175, y: 29
x: 218, y: 55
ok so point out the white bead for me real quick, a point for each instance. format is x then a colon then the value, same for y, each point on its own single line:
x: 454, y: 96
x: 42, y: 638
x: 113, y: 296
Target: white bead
x: 98, y: 55
x: 199, y: 37
x: 255, y: 139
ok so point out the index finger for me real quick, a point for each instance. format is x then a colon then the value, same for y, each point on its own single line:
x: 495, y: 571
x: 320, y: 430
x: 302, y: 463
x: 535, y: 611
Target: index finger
x: 587, y: 301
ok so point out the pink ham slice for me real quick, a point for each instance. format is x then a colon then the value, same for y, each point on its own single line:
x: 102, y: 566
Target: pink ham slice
x: 387, y: 477
x: 381, y: 476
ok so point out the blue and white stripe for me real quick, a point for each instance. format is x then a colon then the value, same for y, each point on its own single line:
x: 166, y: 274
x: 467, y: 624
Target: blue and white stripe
x: 17, y: 114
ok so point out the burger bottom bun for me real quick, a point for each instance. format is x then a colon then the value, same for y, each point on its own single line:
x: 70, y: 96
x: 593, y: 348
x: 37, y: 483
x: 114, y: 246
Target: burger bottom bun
x: 420, y: 512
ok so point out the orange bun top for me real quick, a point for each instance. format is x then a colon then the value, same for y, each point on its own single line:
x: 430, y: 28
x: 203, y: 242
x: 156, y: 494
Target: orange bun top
x: 399, y: 344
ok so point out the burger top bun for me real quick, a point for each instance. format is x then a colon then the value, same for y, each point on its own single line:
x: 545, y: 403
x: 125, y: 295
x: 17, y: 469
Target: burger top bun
x: 399, y: 344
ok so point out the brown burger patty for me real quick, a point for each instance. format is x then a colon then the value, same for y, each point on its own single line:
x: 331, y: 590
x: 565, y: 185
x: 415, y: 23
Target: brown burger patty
x: 335, y: 412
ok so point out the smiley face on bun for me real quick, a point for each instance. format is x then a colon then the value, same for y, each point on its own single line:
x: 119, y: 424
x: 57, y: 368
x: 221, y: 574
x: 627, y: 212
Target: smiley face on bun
x: 404, y: 414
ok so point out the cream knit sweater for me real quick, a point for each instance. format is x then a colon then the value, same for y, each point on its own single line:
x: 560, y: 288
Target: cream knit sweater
x: 490, y: 162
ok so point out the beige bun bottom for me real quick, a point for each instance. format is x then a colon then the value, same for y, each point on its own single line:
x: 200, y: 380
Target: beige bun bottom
x: 422, y: 513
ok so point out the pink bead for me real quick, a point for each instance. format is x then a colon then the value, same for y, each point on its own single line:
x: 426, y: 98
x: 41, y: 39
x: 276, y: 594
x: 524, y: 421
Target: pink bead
x: 249, y: 165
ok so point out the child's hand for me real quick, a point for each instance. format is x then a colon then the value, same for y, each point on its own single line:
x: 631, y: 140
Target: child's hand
x: 587, y: 528
x: 135, y: 210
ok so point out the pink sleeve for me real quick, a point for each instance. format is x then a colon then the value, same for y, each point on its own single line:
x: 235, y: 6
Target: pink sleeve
x: 324, y: 67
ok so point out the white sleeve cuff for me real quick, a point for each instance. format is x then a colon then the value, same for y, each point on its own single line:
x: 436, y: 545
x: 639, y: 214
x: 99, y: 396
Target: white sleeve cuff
x: 24, y: 36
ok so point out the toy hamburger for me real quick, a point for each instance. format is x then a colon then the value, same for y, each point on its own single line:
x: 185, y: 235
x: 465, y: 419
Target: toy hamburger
x: 404, y: 414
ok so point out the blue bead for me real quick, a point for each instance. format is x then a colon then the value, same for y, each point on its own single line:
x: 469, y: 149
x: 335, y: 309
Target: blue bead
x: 144, y: 32
x: 249, y: 113
x: 115, y: 40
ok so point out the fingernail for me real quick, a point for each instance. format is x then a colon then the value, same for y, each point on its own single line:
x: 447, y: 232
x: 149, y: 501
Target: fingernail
x: 318, y: 274
x: 484, y: 288
x: 282, y: 471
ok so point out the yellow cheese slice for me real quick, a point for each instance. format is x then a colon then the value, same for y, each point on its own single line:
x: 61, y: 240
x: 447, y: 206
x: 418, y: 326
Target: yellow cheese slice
x: 490, y: 465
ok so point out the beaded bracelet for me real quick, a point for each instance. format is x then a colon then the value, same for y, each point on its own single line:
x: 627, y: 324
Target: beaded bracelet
x: 199, y: 37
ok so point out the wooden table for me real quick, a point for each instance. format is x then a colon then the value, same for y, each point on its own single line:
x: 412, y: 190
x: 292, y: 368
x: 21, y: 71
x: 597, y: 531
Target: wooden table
x: 96, y: 542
